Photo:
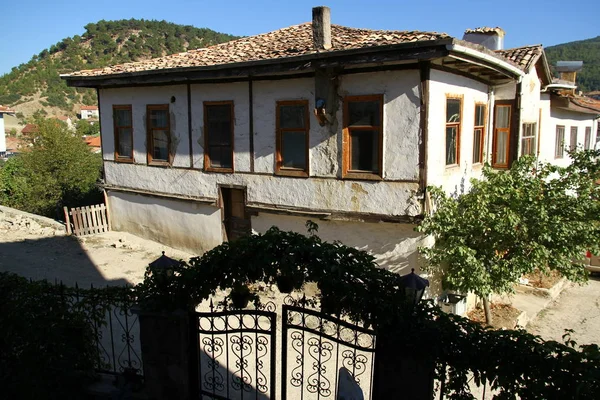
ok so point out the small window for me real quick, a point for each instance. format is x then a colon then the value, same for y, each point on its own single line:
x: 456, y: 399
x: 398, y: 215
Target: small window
x: 573, y: 138
x: 598, y: 133
x: 501, y: 149
x: 559, y: 150
x: 363, y: 137
x: 292, y: 138
x: 453, y: 107
x: 123, y: 130
x: 588, y: 138
x: 528, y: 147
x: 159, y: 133
x: 479, y: 133
x: 218, y: 136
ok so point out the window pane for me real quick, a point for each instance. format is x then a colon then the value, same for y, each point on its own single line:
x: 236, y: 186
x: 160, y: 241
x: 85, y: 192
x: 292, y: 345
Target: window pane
x: 528, y: 146
x: 560, y: 138
x: 125, y: 141
x: 452, y: 110
x: 123, y: 117
x: 477, y: 136
x: 588, y: 138
x: 218, y: 129
x: 161, y: 145
x: 479, y: 115
x: 573, y: 138
x: 451, y: 133
x: 502, y: 116
x: 501, y: 155
x: 159, y: 118
x: 293, y: 149
x: 221, y: 156
x: 292, y: 116
x: 365, y: 151
x: 363, y: 113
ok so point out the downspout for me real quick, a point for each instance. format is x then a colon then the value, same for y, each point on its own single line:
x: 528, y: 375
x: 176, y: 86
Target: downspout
x: 424, y: 74
x: 490, y: 125
x: 251, y: 123
x: 189, y: 110
x: 516, y: 147
x: 101, y: 141
x: 457, y: 48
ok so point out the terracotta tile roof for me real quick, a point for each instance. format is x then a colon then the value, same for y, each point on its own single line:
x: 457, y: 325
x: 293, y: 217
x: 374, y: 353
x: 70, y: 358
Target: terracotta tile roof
x: 29, y: 128
x: 485, y: 29
x: 5, y: 109
x: 287, y: 42
x: 89, y: 107
x: 93, y: 141
x: 525, y: 57
x: 586, y: 102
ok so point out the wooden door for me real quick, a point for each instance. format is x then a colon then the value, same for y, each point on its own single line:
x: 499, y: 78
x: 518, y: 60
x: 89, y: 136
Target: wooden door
x: 235, y: 219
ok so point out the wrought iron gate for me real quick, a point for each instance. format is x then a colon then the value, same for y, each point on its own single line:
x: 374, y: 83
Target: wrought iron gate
x: 238, y: 357
x: 236, y: 354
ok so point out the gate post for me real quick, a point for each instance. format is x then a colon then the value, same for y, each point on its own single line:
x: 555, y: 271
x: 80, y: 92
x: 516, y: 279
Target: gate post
x: 401, y: 375
x: 168, y: 355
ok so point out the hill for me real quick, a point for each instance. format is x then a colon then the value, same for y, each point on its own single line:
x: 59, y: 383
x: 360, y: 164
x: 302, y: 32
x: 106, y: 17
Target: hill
x: 36, y: 84
x: 587, y: 51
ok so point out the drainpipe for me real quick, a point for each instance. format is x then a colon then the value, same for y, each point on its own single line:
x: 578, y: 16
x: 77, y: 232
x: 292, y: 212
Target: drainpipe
x: 490, y: 125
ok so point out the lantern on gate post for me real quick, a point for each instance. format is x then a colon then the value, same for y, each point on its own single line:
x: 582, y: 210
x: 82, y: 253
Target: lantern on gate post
x: 162, y: 268
x: 414, y: 287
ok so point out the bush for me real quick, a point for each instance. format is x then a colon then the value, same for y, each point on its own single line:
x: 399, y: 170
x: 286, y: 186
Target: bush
x: 47, y: 348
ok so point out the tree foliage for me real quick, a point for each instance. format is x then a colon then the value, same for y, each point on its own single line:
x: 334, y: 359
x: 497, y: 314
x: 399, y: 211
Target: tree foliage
x: 513, y: 222
x: 587, y: 51
x: 58, y: 170
x: 103, y: 43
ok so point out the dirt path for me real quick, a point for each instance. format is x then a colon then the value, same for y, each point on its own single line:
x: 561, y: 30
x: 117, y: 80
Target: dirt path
x: 577, y: 308
x: 36, y: 250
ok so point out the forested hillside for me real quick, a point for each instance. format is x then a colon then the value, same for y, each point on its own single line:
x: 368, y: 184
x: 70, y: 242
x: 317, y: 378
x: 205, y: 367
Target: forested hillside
x: 587, y: 51
x: 103, y: 43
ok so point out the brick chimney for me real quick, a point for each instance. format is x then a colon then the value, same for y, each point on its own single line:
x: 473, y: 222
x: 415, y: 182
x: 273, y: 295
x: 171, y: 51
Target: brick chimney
x: 321, y: 25
x: 492, y: 38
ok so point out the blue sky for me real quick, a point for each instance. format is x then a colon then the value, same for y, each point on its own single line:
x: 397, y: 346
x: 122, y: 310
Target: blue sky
x: 29, y: 26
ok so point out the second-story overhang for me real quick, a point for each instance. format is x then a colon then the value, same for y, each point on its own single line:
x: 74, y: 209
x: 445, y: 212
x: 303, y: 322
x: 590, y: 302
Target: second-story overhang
x: 448, y: 53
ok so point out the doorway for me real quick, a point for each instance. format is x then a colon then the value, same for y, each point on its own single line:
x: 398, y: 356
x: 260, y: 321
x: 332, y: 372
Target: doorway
x: 235, y: 219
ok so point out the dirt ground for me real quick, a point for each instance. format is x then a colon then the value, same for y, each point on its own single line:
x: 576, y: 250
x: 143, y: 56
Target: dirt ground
x: 577, y: 308
x: 111, y: 258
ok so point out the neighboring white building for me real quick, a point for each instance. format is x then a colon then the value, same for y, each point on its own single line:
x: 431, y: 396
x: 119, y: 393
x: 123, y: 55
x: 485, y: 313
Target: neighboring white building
x: 89, y: 112
x: 343, y: 126
x: 8, y: 111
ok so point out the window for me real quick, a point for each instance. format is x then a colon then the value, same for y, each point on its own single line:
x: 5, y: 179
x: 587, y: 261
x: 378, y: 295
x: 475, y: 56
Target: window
x: 292, y: 138
x: 501, y: 149
x: 559, y: 150
x: 218, y: 136
x: 528, y: 142
x: 588, y: 138
x: 479, y: 133
x: 123, y: 131
x: 452, y: 131
x: 159, y: 135
x: 573, y: 138
x: 598, y: 133
x: 363, y: 137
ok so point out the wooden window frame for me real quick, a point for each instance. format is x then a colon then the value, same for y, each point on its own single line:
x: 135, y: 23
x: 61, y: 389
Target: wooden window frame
x: 150, y: 136
x: 207, y: 166
x: 347, y: 173
x: 483, y: 131
x: 279, y: 168
x: 508, y: 131
x: 587, y: 141
x: 118, y: 156
x: 559, y: 145
x: 532, y: 137
x: 451, y: 124
x: 573, y: 130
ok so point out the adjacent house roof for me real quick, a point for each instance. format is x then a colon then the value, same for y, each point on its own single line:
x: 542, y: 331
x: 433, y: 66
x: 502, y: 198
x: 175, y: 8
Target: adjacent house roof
x: 5, y: 109
x: 30, y: 128
x: 528, y: 56
x: 92, y: 108
x: 292, y: 41
x: 93, y: 141
x: 486, y: 30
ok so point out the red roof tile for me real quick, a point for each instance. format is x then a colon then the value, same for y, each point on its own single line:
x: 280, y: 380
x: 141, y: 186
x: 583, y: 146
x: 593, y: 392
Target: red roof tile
x: 524, y: 56
x: 5, y: 109
x: 288, y: 42
x: 89, y: 107
x: 93, y: 141
x: 30, y: 128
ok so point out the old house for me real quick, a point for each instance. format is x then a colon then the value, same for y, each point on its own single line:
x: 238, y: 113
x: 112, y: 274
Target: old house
x: 340, y: 125
x: 89, y: 112
x: 3, y: 110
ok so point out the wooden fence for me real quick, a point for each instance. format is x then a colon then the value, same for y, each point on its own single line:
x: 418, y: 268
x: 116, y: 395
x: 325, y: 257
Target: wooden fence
x: 87, y: 220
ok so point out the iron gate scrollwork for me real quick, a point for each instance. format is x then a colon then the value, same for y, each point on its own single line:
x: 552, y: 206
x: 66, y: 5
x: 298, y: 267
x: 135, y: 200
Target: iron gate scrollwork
x: 315, y: 346
x: 236, y: 357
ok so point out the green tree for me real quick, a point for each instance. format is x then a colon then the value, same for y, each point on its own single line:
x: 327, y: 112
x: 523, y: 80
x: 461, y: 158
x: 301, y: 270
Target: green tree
x: 59, y: 170
x: 85, y: 128
x: 513, y: 222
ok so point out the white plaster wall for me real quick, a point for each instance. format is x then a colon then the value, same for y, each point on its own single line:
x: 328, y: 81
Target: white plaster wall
x: 453, y: 179
x: 2, y: 134
x: 184, y: 225
x: 236, y: 92
x: 139, y: 98
x: 507, y: 91
x: 391, y: 198
x: 401, y: 115
x: 395, y: 246
x: 530, y: 99
x: 551, y: 117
